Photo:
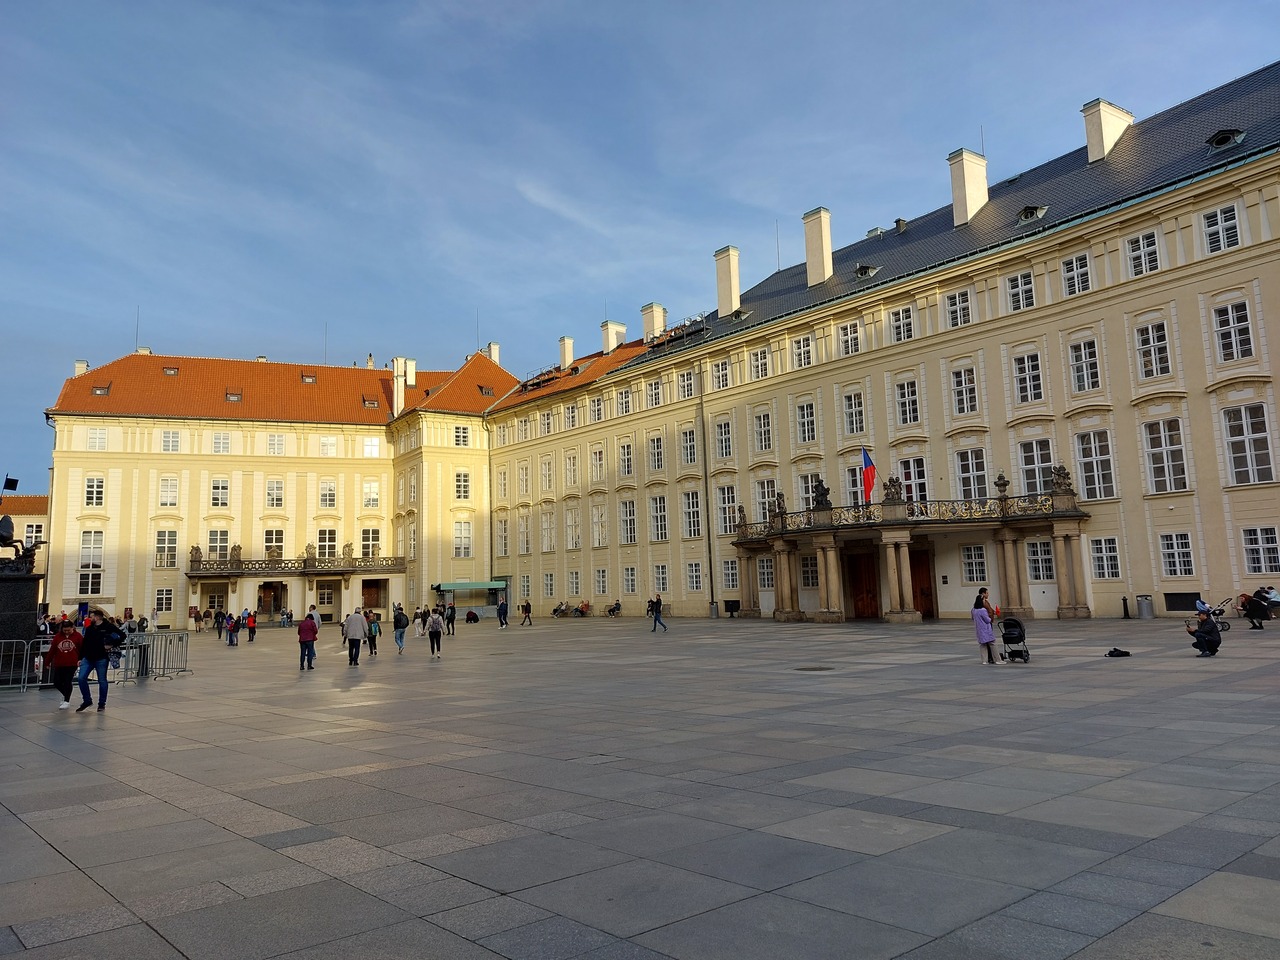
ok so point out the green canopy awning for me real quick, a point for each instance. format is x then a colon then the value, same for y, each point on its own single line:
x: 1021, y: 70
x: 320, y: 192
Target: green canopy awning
x: 471, y: 585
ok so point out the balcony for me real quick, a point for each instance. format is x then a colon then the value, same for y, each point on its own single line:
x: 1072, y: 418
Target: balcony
x: 275, y: 564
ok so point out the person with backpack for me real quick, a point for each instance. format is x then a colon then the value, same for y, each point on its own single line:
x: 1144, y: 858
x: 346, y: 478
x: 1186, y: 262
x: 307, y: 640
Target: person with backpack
x: 233, y: 631
x: 375, y: 630
x: 399, y: 623
x: 100, y: 638
x: 219, y: 622
x: 435, y: 627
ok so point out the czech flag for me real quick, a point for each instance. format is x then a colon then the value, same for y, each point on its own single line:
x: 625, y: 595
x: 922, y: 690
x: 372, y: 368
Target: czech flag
x: 868, y: 476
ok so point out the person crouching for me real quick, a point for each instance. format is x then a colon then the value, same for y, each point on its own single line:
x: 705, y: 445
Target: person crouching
x: 1207, y: 638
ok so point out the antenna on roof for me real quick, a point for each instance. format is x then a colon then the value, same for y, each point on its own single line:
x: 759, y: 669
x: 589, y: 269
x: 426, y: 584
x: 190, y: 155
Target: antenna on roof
x: 477, y: 329
x: 777, y: 237
x: 982, y: 141
x: 137, y: 322
x: 326, y: 343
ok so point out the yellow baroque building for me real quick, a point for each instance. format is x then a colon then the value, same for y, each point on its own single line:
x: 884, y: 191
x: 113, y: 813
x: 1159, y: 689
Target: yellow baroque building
x: 1064, y: 382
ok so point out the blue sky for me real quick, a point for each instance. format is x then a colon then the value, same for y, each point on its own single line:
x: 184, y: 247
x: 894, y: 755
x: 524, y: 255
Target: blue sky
x: 240, y: 175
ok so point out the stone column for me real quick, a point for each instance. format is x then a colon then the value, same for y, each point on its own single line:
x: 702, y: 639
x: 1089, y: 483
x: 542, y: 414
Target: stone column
x: 835, y: 582
x: 1075, y: 556
x: 1062, y: 570
x: 890, y: 554
x: 829, y: 608
x: 750, y: 581
x: 904, y: 576
x: 785, y: 606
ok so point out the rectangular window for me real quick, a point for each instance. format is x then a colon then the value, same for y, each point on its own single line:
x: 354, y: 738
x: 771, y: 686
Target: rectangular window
x: 764, y: 432
x: 660, y: 584
x: 627, y: 522
x: 959, y: 311
x: 220, y: 493
x: 758, y: 363
x: 1232, y: 331
x: 461, y: 485
x: 1085, y: 374
x: 546, y: 424
x: 1248, y: 445
x: 855, y: 414
x: 602, y: 582
x: 688, y: 446
x: 802, y: 352
x: 595, y: 409
x: 1144, y: 254
x: 219, y: 545
x: 724, y: 439
x: 971, y: 473
x: 502, y: 537
x: 371, y: 541
x: 522, y: 479
x: 653, y: 394
x: 684, y: 384
x: 628, y: 579
x: 973, y: 563
x: 461, y: 539
x: 809, y: 572
x: 766, y: 498
x: 1022, y: 294
x: 328, y: 494
x: 525, y: 586
x: 764, y: 572
x: 806, y: 423
x: 1036, y: 459
x: 964, y: 390
x: 97, y: 440
x: 326, y: 542
x: 1261, y: 550
x: 1105, y: 554
x: 164, y: 600
x: 94, y: 491
x: 524, y: 537
x: 571, y: 469
x: 548, y: 528
x: 854, y: 493
x: 1027, y: 381
x: 169, y: 442
x: 727, y: 509
x: 691, y: 515
x: 625, y: 464
x: 721, y: 377
x: 623, y: 399
x: 902, y: 324
x: 849, y: 339
x: 549, y: 585
x: 807, y: 484
x: 693, y: 576
x: 1166, y: 459
x: 275, y: 494
x: 328, y: 446
x: 522, y: 429
x: 1097, y: 479
x: 729, y: 574
x: 167, y: 548
x: 658, y: 518
x: 908, y: 403
x: 572, y: 528
x: 275, y: 444
x: 1075, y: 275
x: 1153, y: 350
x: 273, y: 543
x: 372, y: 446
x: 657, y: 459
x: 461, y: 436
x: 546, y: 474
x: 599, y: 525
x: 575, y: 583
x: 570, y: 416
x: 1175, y: 555
x: 1221, y: 229
x: 400, y: 491
x: 32, y: 533
x: 915, y: 481
x: 1039, y: 560
x: 221, y: 442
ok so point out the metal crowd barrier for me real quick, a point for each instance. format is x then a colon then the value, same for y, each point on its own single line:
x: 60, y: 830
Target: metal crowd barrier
x: 159, y: 656
x: 18, y: 662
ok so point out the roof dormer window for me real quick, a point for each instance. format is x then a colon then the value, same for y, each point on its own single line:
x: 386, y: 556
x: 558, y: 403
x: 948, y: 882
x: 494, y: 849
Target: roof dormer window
x: 170, y: 371
x: 1224, y: 139
x: 1031, y: 214
x: 102, y: 391
x: 864, y: 270
x: 308, y: 378
x: 486, y: 391
x: 371, y: 403
x: 234, y: 396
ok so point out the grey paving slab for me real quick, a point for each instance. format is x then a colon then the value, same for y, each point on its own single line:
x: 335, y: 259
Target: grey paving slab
x: 410, y: 940
x: 1152, y: 937
x: 166, y: 872
x: 1016, y: 860
x: 1233, y: 901
x: 759, y: 860
x: 556, y: 938
x: 135, y: 942
x: 858, y: 830
x: 647, y: 834
x: 37, y: 898
x: 527, y: 861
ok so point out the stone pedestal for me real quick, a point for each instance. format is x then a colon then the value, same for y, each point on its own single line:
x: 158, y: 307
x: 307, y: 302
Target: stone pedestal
x: 903, y: 616
x: 19, y: 603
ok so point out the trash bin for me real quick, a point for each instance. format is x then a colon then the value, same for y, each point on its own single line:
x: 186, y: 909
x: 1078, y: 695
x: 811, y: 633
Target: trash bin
x: 714, y: 612
x: 1146, y: 609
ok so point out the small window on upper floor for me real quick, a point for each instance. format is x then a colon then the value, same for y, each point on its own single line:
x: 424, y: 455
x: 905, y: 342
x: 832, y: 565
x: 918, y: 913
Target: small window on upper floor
x: 902, y: 324
x: 959, y: 310
x: 370, y: 403
x: 1021, y: 289
x: 1221, y: 229
x: 462, y: 436
x: 1075, y: 275
x: 802, y: 352
x: 372, y: 446
x: 1224, y: 139
x: 848, y: 336
x: 1144, y: 254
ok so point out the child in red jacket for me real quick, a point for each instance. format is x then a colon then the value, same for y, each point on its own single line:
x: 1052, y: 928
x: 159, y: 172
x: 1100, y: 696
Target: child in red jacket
x: 64, y: 657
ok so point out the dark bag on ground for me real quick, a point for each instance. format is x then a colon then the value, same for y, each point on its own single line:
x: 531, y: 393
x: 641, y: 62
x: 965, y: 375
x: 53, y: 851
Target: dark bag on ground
x: 1117, y: 652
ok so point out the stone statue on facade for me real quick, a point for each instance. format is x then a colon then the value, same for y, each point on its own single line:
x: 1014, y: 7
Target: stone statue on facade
x: 780, y: 504
x: 1061, y: 480
x: 821, y: 496
x: 24, y: 555
x: 311, y: 551
x: 235, y: 553
x: 893, y: 491
x: 742, y: 516
x: 197, y: 556
x: 348, y: 552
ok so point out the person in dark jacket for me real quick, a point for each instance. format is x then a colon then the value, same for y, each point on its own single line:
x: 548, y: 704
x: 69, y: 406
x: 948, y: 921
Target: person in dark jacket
x: 308, y: 630
x: 450, y: 618
x: 502, y: 612
x: 99, y: 640
x: 1207, y: 638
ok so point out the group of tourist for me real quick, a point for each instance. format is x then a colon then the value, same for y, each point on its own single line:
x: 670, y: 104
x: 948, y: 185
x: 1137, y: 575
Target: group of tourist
x: 86, y: 651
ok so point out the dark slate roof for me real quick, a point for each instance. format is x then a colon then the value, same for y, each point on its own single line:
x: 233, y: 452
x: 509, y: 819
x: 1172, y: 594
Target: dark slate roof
x: 1152, y: 155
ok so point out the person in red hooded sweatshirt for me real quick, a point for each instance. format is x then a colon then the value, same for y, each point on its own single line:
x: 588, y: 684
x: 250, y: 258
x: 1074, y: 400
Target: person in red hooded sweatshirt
x: 64, y: 657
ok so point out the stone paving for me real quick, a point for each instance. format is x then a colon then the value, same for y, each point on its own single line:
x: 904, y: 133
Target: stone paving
x: 729, y: 790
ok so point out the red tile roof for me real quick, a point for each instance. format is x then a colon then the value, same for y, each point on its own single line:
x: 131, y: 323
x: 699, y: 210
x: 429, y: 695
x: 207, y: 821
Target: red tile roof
x: 583, y: 371
x: 25, y: 506
x: 473, y: 388
x: 150, y: 385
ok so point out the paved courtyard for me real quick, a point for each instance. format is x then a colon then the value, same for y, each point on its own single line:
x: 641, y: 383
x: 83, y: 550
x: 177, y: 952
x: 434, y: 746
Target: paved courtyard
x: 729, y: 790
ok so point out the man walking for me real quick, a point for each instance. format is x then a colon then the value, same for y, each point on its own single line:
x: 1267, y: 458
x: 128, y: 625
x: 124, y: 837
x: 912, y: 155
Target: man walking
x: 502, y: 612
x: 399, y: 623
x: 526, y: 609
x: 356, y: 631
x: 657, y: 614
x: 450, y: 617
x: 99, y: 640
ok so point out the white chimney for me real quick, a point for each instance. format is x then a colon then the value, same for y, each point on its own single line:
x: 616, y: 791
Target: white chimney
x: 368, y: 364
x: 968, y: 185
x: 654, y: 316
x: 81, y: 366
x: 410, y: 373
x: 397, y: 386
x: 614, y: 335
x: 728, y: 293
x: 146, y: 352
x: 261, y: 359
x: 491, y: 351
x: 817, y: 245
x: 566, y: 353
x: 1103, y: 125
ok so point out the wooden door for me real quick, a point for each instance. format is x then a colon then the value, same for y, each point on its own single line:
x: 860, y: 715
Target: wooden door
x: 922, y: 595
x: 862, y: 586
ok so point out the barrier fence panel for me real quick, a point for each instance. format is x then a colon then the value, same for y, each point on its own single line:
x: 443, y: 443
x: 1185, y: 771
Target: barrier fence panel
x: 169, y: 654
x: 162, y: 656
x: 18, y: 663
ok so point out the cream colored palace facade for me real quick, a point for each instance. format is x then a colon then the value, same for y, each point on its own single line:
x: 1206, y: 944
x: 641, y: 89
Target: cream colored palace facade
x: 1067, y: 380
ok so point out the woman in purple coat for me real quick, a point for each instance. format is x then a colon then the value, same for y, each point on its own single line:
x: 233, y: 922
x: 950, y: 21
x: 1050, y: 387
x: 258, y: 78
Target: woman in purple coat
x: 983, y: 628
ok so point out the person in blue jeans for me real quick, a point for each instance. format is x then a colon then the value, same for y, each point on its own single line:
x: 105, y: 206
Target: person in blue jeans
x: 657, y: 614
x: 100, y: 637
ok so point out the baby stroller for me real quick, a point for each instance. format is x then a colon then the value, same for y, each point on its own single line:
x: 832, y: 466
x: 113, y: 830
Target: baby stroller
x: 1014, y: 637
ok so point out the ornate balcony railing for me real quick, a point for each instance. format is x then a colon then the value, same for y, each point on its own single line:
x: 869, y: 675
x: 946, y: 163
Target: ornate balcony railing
x: 300, y: 566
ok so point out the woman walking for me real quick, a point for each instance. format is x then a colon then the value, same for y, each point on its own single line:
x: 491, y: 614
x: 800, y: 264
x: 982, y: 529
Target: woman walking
x: 982, y: 626
x: 308, y: 630
x: 435, y: 627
